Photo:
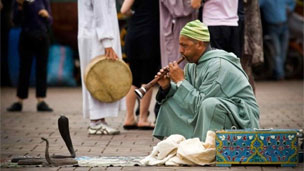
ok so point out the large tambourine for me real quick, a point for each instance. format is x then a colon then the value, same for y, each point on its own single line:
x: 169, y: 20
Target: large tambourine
x: 108, y: 80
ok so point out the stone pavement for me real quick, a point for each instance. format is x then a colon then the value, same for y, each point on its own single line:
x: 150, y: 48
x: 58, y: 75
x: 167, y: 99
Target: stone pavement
x: 281, y: 105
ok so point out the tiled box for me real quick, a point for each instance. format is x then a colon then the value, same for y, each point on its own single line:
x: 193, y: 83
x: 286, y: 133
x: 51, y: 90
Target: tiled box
x: 257, y: 147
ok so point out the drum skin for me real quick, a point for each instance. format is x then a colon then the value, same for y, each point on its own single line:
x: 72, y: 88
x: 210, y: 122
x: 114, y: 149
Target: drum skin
x: 108, y: 80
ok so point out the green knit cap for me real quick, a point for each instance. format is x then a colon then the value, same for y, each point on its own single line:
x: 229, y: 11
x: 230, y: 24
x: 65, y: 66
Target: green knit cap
x: 196, y: 30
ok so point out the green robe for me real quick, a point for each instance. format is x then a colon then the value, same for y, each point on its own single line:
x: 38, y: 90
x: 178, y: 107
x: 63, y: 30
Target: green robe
x: 215, y: 95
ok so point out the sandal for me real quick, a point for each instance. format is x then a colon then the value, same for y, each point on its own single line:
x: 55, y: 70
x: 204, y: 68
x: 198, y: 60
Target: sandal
x: 130, y: 127
x: 146, y: 127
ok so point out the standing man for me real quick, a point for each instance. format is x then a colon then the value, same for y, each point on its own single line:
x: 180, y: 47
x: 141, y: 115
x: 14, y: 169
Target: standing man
x: 98, y: 34
x: 211, y: 93
x: 34, y: 16
x: 275, y: 15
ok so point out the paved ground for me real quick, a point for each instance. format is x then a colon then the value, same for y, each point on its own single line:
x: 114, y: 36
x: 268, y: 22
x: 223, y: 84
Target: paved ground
x: 281, y: 105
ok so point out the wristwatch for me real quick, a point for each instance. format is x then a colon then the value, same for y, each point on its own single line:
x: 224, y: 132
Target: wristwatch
x: 179, y: 83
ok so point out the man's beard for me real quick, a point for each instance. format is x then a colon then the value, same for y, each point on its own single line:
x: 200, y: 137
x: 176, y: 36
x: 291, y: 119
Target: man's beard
x: 187, y: 58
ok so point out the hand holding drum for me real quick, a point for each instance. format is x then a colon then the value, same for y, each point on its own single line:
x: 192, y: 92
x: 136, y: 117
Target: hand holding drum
x: 107, y: 78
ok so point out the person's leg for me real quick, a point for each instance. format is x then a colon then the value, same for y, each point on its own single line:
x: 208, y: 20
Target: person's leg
x: 173, y: 119
x: 42, y: 49
x: 236, y: 40
x: 144, y: 107
x: 220, y: 37
x: 212, y: 116
x: 216, y: 39
x: 277, y: 61
x: 241, y: 36
x: 41, y: 52
x: 26, y: 58
x: 96, y: 122
x: 130, y: 100
x: 25, y: 65
x: 136, y: 68
x: 284, y: 39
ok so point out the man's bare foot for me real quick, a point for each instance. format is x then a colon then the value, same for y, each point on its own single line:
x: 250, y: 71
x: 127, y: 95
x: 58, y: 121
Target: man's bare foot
x: 145, y: 125
x: 130, y: 124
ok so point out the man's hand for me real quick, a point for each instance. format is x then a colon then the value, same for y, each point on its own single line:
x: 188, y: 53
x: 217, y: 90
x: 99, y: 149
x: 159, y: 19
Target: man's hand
x: 110, y: 54
x: 43, y: 13
x: 1, y: 5
x: 196, y: 4
x: 175, y: 72
x: 20, y: 2
x: 164, y: 82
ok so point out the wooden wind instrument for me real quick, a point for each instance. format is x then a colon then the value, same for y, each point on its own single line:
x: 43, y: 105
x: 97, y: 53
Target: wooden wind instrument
x: 140, y: 92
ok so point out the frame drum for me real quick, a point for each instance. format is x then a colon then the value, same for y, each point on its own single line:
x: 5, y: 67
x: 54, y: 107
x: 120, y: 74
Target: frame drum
x: 108, y: 80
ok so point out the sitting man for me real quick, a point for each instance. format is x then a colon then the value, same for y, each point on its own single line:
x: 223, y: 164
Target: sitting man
x: 212, y: 93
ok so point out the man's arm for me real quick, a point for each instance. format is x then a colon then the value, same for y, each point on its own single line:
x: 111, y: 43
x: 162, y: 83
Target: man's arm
x: 168, y: 82
x: 126, y: 7
x: 178, y: 8
x: 46, y: 13
x: 190, y: 97
x: 161, y: 95
x: 104, y: 26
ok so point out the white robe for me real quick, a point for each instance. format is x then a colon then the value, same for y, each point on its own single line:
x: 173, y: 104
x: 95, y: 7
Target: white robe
x: 97, y: 30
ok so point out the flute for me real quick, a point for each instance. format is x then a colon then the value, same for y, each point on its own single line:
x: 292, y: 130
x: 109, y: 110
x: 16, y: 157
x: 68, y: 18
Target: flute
x: 140, y: 92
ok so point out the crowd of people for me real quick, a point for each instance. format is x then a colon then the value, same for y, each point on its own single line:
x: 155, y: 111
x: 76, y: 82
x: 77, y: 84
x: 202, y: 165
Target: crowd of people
x: 212, y: 89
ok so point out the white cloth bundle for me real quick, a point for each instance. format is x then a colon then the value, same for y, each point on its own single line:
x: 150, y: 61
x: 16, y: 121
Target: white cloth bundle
x: 176, y: 150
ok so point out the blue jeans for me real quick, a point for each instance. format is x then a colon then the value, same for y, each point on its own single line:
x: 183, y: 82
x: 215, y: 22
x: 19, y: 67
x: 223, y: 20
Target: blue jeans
x: 280, y: 36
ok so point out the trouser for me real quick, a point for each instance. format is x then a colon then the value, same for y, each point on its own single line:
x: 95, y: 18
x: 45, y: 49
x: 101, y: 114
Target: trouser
x: 226, y: 38
x: 33, y: 44
x: 280, y: 37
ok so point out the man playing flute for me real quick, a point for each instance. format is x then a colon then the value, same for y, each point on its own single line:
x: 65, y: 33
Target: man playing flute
x: 211, y: 93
